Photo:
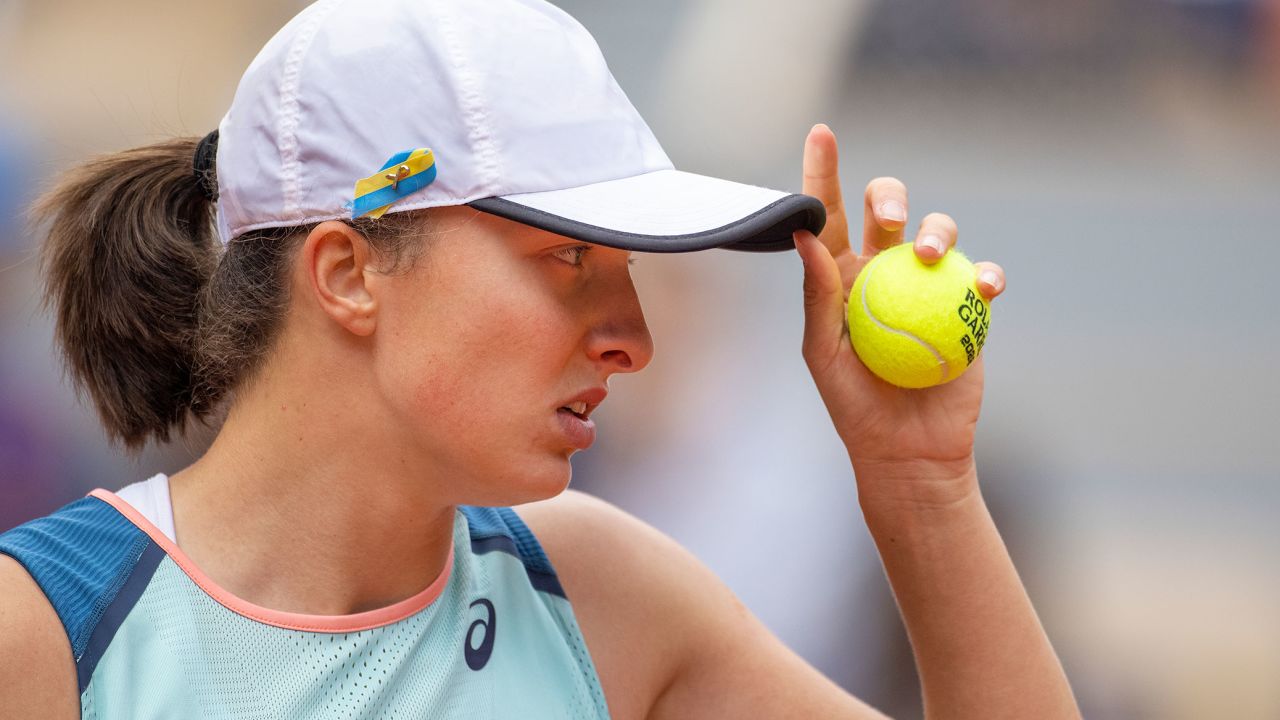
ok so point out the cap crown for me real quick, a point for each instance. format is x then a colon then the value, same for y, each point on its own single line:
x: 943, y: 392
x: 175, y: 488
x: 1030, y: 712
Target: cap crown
x: 512, y: 96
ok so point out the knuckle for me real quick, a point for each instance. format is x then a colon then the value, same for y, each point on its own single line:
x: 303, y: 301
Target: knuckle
x: 808, y: 352
x: 811, y: 293
x: 816, y: 358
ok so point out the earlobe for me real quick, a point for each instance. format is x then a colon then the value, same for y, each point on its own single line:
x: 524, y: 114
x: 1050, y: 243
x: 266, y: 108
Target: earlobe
x: 335, y: 256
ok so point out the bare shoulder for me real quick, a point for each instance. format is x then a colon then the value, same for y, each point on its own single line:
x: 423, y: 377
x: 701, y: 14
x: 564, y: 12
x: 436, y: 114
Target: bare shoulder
x: 617, y: 572
x: 668, y: 637
x: 37, y: 672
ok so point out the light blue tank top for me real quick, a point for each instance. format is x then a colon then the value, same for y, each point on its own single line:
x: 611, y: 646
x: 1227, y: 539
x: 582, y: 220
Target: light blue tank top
x: 152, y: 637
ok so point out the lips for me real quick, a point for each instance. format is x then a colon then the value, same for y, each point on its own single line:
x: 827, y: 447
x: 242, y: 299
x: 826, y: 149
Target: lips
x: 592, y: 397
x: 578, y: 431
x: 577, y: 427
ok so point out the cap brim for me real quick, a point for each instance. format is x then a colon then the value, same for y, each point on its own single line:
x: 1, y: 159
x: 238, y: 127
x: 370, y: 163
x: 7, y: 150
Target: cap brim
x: 666, y: 211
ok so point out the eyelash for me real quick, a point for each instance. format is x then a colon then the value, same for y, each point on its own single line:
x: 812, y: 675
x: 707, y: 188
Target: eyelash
x: 585, y: 249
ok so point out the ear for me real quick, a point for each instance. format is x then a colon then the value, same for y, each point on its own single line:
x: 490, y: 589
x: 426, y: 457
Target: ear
x: 334, y: 257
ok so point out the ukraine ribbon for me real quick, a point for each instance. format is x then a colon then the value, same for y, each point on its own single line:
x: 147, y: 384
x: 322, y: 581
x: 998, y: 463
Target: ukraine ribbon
x: 410, y: 171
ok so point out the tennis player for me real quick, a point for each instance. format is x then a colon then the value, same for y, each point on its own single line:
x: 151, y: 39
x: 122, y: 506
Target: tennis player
x: 396, y: 280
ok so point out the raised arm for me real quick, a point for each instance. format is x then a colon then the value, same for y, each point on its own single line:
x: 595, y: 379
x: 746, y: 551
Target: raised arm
x: 978, y: 644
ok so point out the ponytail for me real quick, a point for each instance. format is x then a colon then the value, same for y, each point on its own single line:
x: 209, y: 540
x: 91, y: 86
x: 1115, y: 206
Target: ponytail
x: 158, y: 324
x: 129, y: 251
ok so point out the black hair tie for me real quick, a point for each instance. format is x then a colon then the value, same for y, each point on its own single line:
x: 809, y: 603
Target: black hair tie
x: 203, y: 164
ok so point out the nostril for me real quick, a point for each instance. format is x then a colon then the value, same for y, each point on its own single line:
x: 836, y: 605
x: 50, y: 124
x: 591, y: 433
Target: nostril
x: 618, y: 356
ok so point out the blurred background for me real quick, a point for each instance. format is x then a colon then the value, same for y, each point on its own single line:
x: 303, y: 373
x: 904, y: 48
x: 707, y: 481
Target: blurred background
x: 1120, y: 158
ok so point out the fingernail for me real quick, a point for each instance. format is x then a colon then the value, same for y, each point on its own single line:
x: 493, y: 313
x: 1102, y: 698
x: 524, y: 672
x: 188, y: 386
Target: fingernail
x: 990, y: 278
x: 892, y: 210
x: 932, y: 242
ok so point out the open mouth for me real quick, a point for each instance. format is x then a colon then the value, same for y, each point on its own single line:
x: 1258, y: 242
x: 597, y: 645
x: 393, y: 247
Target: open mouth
x: 577, y: 415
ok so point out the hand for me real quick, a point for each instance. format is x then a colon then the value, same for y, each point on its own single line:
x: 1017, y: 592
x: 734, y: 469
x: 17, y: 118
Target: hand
x: 889, y: 431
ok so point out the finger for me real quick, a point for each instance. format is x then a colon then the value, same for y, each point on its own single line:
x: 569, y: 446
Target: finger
x: 937, y: 235
x: 884, y: 214
x: 823, y: 301
x: 990, y: 279
x: 822, y: 180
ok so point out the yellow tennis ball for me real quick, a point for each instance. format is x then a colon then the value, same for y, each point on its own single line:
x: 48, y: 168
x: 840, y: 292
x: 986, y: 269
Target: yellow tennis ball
x: 917, y: 325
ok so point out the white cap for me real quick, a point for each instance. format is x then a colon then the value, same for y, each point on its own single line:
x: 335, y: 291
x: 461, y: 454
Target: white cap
x: 521, y: 115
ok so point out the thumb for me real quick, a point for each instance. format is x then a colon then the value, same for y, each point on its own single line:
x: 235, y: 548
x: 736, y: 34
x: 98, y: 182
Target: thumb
x: 823, y: 300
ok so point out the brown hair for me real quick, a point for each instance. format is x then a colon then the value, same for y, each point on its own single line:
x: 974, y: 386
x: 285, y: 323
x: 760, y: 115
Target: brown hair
x: 156, y: 322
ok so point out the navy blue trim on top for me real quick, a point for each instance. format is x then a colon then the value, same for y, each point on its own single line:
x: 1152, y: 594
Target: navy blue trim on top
x: 544, y: 581
x: 113, y: 617
x: 80, y: 556
x: 502, y: 530
x: 765, y: 230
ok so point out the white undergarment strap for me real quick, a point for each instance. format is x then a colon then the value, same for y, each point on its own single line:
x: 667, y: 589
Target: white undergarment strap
x: 151, y: 498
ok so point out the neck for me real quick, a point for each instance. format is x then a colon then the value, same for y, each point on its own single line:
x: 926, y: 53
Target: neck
x: 310, y: 516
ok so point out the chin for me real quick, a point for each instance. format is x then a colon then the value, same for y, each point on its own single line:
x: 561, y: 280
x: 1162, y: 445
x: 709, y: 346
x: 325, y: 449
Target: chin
x: 530, y: 484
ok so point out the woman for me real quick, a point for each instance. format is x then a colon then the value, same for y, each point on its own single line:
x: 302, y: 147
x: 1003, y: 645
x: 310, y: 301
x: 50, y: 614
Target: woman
x: 416, y: 293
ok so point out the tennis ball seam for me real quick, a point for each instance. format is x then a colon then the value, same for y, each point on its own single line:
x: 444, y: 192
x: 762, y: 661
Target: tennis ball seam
x: 866, y: 308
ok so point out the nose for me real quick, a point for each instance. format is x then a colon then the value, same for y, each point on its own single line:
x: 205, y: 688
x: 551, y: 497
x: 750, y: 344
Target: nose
x: 620, y: 339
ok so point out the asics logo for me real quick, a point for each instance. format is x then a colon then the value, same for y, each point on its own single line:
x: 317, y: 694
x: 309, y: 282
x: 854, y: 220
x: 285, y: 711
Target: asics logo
x: 478, y: 656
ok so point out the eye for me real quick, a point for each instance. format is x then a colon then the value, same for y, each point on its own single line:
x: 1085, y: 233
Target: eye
x: 581, y: 251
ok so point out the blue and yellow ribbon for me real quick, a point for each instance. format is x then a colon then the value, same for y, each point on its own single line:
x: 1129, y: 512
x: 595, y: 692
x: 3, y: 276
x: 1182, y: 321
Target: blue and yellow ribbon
x: 410, y: 171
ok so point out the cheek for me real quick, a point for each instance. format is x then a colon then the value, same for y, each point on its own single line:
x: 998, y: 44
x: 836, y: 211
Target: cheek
x: 473, y: 380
